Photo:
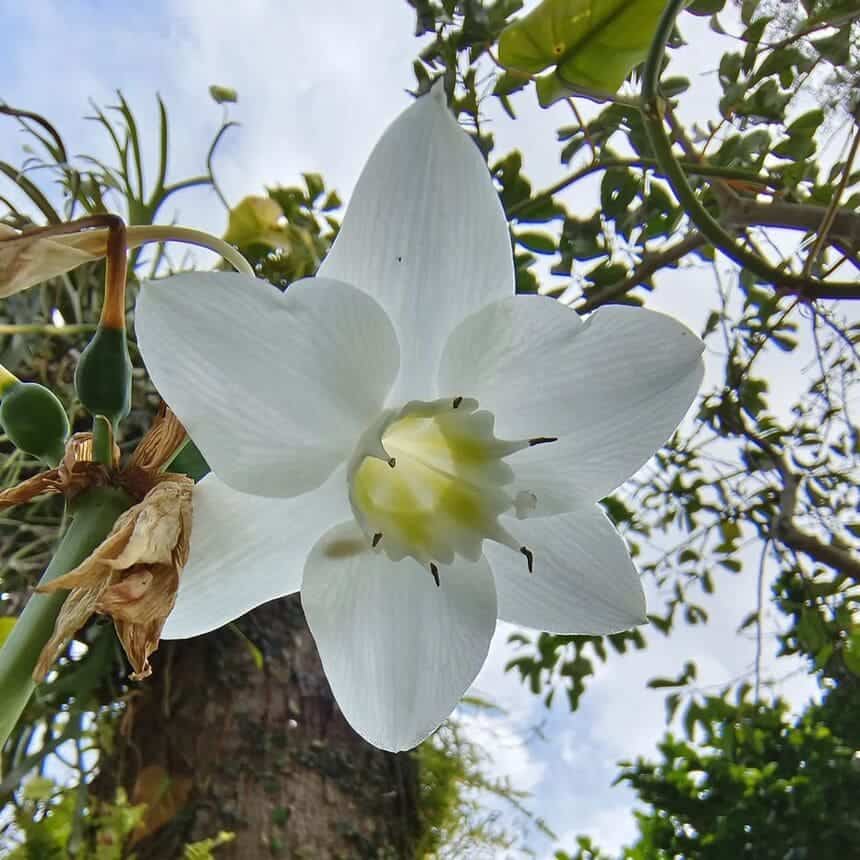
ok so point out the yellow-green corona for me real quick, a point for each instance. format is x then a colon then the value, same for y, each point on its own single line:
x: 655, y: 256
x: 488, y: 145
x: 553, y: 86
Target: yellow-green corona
x: 430, y: 482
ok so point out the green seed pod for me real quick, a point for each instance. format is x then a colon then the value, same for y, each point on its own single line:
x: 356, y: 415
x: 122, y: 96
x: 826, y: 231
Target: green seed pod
x: 35, y: 421
x: 103, y: 375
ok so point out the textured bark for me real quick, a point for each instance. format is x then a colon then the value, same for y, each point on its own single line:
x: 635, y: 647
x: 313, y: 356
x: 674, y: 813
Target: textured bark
x: 214, y: 743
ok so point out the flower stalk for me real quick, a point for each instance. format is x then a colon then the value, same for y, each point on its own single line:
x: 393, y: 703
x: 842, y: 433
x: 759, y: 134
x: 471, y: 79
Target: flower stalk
x: 93, y: 517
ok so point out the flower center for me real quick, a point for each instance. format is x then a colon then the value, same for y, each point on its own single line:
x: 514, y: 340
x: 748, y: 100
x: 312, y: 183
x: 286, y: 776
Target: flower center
x: 429, y: 480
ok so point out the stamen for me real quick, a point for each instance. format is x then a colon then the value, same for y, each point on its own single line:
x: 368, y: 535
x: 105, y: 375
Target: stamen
x: 457, y: 401
x: 376, y: 539
x: 434, y: 571
x: 542, y: 440
x: 530, y: 558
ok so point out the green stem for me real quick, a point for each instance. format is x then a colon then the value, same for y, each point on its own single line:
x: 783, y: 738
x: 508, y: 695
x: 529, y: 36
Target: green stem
x: 94, y: 515
x: 46, y: 329
x: 652, y: 116
x: 102, y: 441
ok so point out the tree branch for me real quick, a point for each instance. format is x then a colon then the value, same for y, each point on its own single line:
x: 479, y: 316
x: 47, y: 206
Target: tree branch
x: 650, y: 264
x: 745, y: 212
x: 835, y: 556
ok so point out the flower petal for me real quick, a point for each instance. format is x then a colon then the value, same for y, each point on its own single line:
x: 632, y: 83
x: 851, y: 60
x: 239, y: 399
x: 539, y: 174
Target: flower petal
x: 612, y: 389
x: 273, y: 387
x: 398, y: 651
x: 590, y: 463
x: 425, y: 235
x: 584, y: 581
x: 246, y: 550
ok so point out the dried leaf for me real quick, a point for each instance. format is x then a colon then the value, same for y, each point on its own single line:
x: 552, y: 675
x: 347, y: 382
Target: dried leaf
x: 29, y: 258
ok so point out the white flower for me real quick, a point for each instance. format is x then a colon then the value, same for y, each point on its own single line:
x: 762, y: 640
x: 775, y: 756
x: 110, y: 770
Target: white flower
x: 353, y: 426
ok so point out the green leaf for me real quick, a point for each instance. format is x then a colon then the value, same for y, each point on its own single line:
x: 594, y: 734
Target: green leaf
x: 851, y: 653
x: 315, y: 186
x: 837, y: 48
x: 540, y: 243
x: 706, y: 7
x: 253, y: 650
x: 6, y: 625
x: 594, y: 43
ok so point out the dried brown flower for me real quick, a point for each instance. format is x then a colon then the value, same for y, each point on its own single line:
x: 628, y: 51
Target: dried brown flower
x: 133, y: 576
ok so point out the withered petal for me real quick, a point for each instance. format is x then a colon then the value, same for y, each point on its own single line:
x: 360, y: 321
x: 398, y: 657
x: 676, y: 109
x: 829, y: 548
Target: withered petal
x: 45, y: 482
x: 73, y: 614
x: 159, y: 444
x: 139, y: 641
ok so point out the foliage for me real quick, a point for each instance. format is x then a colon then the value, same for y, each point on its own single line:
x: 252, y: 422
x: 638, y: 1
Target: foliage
x: 454, y: 791
x: 53, y: 822
x: 756, y: 488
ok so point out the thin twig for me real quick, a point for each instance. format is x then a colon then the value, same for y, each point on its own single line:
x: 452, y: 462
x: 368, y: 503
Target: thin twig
x: 832, y: 207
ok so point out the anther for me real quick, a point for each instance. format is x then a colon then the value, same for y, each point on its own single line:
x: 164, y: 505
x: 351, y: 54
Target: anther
x: 542, y: 440
x: 457, y: 401
x: 376, y: 539
x: 392, y: 462
x: 434, y: 571
x: 530, y: 558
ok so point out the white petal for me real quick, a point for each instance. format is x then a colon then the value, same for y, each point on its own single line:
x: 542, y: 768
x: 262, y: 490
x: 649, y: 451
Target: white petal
x: 398, y: 651
x: 584, y: 581
x: 274, y: 388
x: 542, y: 371
x: 518, y: 358
x: 246, y: 550
x: 425, y: 235
x: 594, y: 460
x: 612, y: 389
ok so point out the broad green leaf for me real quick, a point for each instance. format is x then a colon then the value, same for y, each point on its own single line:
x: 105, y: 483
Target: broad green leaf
x: 6, y: 625
x: 594, y: 44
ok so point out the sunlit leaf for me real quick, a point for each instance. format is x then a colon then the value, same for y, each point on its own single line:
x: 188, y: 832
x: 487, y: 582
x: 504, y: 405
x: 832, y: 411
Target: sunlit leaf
x: 594, y: 44
x: 256, y: 221
x: 6, y: 625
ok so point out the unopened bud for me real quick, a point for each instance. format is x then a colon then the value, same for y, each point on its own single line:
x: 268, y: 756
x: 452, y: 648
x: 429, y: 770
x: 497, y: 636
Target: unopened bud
x: 103, y: 375
x: 33, y: 418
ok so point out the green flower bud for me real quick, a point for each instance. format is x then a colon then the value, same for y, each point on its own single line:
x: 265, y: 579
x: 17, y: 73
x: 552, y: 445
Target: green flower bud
x: 34, y: 420
x: 103, y: 375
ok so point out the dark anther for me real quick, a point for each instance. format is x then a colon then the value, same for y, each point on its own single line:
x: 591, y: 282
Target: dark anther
x: 376, y: 539
x: 435, y: 573
x: 457, y: 401
x: 542, y: 440
x: 530, y: 557
x: 392, y: 462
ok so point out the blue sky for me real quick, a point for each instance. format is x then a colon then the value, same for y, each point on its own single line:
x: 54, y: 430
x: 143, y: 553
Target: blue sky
x: 317, y: 85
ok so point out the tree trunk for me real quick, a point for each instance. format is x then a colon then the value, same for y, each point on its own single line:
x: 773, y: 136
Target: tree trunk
x: 212, y: 742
